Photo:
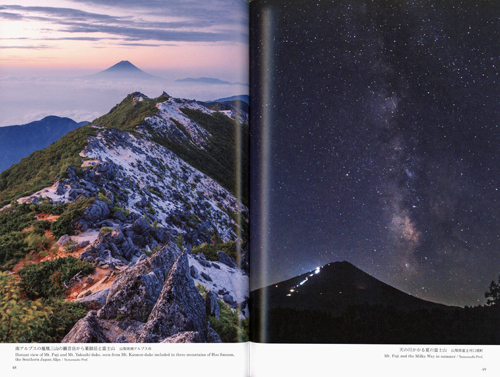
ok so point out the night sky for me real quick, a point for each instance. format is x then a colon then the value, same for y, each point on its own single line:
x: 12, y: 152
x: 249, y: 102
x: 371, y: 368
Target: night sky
x: 375, y: 139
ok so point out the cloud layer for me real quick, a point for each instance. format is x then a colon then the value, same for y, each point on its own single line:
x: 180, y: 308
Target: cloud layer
x: 146, y: 21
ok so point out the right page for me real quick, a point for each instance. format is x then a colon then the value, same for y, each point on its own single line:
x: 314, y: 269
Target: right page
x: 375, y: 181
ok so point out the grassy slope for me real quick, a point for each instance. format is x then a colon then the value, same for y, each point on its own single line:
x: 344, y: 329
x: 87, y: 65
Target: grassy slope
x: 128, y: 114
x: 41, y: 168
x: 218, y: 161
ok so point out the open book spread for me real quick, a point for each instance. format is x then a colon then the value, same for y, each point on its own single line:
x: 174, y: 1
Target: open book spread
x: 273, y: 178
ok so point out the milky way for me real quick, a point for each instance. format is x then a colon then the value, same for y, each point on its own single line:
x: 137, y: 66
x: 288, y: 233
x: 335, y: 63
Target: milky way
x: 382, y: 142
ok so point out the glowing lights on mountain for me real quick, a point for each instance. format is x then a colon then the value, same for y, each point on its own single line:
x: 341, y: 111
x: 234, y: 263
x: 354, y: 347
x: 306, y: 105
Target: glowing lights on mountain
x: 293, y: 289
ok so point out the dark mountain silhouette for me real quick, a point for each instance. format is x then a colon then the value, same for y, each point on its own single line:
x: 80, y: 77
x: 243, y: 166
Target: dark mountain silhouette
x: 339, y: 303
x: 244, y: 97
x: 123, y: 70
x: 19, y: 141
x: 207, y: 80
x: 337, y: 286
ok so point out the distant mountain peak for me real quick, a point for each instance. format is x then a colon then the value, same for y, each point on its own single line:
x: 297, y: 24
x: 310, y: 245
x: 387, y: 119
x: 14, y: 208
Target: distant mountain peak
x: 205, y: 80
x: 336, y: 286
x: 123, y: 65
x: 123, y: 70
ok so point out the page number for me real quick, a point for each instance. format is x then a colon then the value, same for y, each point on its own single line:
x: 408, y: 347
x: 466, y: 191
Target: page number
x: 484, y: 369
x: 14, y: 367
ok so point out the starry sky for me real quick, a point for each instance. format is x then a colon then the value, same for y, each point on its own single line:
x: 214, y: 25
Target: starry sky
x: 376, y: 128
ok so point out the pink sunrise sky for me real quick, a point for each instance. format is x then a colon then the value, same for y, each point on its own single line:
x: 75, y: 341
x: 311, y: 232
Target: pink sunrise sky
x: 45, y: 45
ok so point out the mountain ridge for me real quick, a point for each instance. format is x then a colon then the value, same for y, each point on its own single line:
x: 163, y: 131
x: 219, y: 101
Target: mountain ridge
x: 336, y: 286
x: 124, y: 70
x: 18, y: 141
x: 243, y: 97
x: 146, y: 202
x: 208, y: 80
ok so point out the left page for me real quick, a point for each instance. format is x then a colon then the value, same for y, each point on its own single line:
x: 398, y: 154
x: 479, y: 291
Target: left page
x: 124, y: 185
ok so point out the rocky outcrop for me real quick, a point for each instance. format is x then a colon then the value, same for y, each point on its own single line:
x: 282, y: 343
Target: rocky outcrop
x: 153, y: 301
x: 96, y: 212
x: 212, y: 336
x: 179, y: 308
x: 135, y: 291
x: 86, y: 330
x: 228, y: 299
x: 111, y: 248
x: 226, y: 259
x: 185, y: 337
x: 96, y: 300
x: 63, y: 240
x: 211, y: 305
x: 121, y: 331
x: 141, y: 226
x: 205, y: 276
x: 194, y: 272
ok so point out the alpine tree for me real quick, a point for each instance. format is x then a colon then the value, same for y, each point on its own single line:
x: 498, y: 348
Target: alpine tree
x: 493, y: 295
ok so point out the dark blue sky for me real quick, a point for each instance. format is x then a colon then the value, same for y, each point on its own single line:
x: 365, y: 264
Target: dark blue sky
x: 376, y: 141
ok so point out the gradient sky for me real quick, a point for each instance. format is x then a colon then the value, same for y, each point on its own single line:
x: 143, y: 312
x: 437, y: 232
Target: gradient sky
x: 379, y: 142
x: 44, y: 46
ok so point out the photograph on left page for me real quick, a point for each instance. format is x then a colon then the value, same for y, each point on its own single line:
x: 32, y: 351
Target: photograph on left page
x: 124, y: 171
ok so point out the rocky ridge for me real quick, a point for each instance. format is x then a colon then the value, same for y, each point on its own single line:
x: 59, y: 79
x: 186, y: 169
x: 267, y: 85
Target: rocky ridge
x: 142, y: 197
x: 153, y: 301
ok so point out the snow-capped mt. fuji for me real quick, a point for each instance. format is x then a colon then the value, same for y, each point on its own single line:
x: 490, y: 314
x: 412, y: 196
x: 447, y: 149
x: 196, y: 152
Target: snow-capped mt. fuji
x: 123, y: 70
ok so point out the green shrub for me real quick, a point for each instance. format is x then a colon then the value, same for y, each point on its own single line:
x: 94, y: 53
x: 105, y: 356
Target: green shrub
x: 42, y: 226
x: 46, y: 279
x: 174, y: 220
x: 151, y: 210
x: 103, y: 198
x: 13, y: 245
x: 154, y: 192
x: 105, y: 230
x: 62, y: 225
x: 125, y: 212
x: 210, y: 251
x: 230, y: 327
x: 36, y: 242
x: 179, y: 242
x: 22, y: 320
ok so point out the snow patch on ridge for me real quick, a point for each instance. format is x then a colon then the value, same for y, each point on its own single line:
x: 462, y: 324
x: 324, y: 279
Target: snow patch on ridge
x: 171, y: 187
x: 231, y: 279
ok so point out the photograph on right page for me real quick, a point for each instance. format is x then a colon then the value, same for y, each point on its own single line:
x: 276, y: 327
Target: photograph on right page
x: 375, y: 172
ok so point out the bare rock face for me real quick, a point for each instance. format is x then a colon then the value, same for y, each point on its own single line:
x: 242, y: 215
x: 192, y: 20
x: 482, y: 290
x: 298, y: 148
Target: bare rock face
x: 134, y: 292
x: 86, y: 330
x: 63, y: 240
x: 184, y: 337
x: 141, y: 226
x: 212, y: 336
x: 226, y: 259
x: 211, y: 305
x: 97, y: 211
x: 194, y: 272
x: 96, y: 300
x: 153, y: 301
x: 180, y: 307
x: 121, y: 331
